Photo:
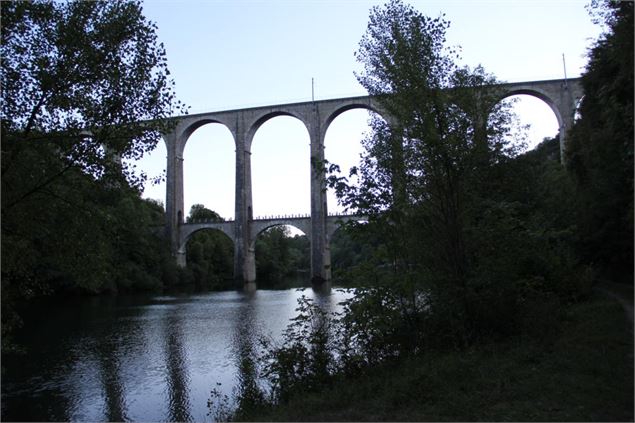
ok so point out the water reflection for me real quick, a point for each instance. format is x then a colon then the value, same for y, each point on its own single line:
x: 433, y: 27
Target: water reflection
x: 177, y: 380
x: 112, y: 385
x: 245, y: 352
x: 323, y: 289
x: 147, y: 358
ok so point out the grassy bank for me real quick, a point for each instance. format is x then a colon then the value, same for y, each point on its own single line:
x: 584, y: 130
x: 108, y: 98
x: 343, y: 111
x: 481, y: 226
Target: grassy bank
x: 585, y: 373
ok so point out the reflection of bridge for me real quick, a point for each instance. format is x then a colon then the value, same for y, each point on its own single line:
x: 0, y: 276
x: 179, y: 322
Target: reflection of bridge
x: 560, y: 95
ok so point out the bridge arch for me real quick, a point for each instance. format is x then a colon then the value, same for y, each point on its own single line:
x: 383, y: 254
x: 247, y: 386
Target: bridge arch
x: 536, y: 93
x: 189, y: 230
x: 561, y: 96
x: 345, y: 108
x: 272, y: 243
x: 343, y: 143
x: 280, y: 168
x: 335, y: 223
x: 258, y: 227
x: 344, y: 248
x: 220, y: 252
x: 261, y: 120
x: 189, y: 127
x: 209, y: 171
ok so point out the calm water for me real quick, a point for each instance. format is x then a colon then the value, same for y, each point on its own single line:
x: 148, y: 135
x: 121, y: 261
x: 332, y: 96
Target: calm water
x: 149, y: 358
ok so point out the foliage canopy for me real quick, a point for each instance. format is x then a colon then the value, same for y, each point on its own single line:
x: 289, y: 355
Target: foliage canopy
x: 600, y: 154
x: 82, y: 77
x: 85, y: 89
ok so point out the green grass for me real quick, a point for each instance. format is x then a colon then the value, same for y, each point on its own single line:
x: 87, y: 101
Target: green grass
x: 585, y: 374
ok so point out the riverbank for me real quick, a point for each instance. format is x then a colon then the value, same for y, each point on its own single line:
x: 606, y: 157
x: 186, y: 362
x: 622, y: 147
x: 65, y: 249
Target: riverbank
x: 585, y: 373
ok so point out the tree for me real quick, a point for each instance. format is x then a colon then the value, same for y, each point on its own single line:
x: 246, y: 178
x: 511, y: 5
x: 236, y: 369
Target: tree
x: 83, y: 81
x: 435, y: 182
x: 198, y: 212
x: 85, y: 88
x: 600, y: 154
x: 433, y: 153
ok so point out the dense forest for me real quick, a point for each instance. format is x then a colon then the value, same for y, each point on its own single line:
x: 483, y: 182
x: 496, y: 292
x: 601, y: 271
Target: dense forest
x: 500, y: 242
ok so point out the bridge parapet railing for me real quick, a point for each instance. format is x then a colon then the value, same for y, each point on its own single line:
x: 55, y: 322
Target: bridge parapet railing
x: 342, y: 214
x: 298, y: 216
x: 282, y: 217
x: 270, y: 217
x: 199, y: 221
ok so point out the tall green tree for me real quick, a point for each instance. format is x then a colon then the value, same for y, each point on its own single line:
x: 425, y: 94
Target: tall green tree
x: 436, y: 181
x: 600, y: 154
x: 426, y: 163
x: 80, y: 78
x: 198, y: 212
x: 85, y: 90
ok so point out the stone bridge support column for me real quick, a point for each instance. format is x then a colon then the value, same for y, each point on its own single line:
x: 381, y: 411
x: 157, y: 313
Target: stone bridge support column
x: 566, y: 103
x: 244, y: 254
x: 174, y: 195
x: 320, y: 250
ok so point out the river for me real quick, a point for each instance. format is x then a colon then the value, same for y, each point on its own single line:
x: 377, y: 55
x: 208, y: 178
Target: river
x: 138, y: 358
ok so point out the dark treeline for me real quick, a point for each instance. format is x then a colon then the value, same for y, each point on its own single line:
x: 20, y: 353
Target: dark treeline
x: 600, y: 154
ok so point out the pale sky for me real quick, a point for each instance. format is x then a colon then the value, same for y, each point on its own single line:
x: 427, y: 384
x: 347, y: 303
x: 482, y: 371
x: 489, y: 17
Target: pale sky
x: 231, y: 54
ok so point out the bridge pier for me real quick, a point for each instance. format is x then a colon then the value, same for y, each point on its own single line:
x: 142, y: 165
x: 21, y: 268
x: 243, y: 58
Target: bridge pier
x: 244, y: 254
x: 320, y: 252
x: 174, y: 193
x: 181, y: 258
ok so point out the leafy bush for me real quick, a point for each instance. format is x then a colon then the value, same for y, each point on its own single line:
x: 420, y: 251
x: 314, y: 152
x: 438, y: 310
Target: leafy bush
x: 304, y: 359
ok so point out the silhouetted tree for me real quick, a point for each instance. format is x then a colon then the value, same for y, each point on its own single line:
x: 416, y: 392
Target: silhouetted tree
x: 600, y: 154
x: 84, y: 88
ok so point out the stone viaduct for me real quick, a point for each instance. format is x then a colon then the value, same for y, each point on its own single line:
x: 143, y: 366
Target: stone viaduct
x: 560, y: 95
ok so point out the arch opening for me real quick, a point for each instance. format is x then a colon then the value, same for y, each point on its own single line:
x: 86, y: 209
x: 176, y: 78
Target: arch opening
x: 280, y: 167
x: 343, y: 145
x: 209, y: 259
x: 282, y: 255
x: 534, y: 120
x: 209, y: 169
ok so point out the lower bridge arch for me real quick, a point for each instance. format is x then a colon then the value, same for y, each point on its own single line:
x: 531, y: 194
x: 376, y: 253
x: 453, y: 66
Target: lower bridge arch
x: 208, y: 253
x: 188, y: 230
x: 259, y: 226
x: 333, y: 223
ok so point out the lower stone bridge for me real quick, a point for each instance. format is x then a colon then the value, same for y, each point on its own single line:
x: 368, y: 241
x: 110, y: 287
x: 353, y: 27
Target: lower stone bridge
x: 258, y: 225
